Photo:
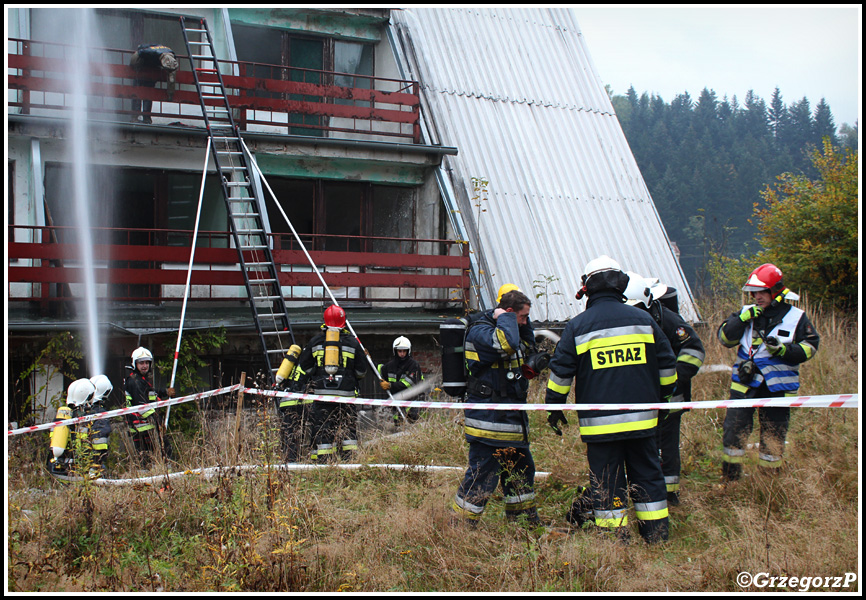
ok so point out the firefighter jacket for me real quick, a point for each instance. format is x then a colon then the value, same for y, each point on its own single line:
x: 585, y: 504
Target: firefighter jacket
x: 351, y: 368
x: 401, y: 373
x: 98, y: 431
x: 495, y: 350
x: 615, y: 353
x: 687, y: 347
x: 139, y: 391
x: 781, y: 373
x: 295, y: 382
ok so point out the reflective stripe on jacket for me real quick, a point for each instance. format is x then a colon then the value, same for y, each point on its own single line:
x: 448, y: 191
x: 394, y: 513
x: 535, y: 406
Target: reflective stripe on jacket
x: 614, y: 353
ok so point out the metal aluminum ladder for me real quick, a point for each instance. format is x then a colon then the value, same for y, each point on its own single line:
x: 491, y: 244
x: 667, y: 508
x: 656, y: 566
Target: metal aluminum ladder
x: 247, y: 225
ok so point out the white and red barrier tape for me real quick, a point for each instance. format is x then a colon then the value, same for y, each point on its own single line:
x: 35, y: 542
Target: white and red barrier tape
x: 827, y: 401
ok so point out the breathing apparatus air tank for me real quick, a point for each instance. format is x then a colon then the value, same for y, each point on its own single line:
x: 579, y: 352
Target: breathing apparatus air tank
x: 335, y: 320
x: 288, y: 363
x: 60, y: 434
x: 451, y: 337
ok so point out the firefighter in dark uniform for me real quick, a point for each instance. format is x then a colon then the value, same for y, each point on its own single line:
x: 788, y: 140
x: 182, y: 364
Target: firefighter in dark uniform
x: 497, y: 347
x: 333, y: 363
x: 145, y: 428
x: 294, y: 416
x: 152, y: 60
x: 690, y: 356
x: 616, y: 353
x: 401, y: 373
x: 773, y: 339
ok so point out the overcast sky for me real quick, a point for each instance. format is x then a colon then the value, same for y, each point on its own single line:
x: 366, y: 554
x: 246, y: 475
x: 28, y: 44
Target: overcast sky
x: 804, y: 50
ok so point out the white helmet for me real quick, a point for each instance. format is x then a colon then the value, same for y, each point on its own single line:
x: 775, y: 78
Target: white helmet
x: 602, y: 263
x: 402, y: 343
x: 602, y: 273
x: 638, y: 292
x: 80, y: 392
x: 103, y: 387
x: 141, y: 353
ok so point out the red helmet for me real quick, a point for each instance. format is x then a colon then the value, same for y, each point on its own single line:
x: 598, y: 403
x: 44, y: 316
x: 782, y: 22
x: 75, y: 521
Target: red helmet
x: 335, y: 316
x: 767, y: 277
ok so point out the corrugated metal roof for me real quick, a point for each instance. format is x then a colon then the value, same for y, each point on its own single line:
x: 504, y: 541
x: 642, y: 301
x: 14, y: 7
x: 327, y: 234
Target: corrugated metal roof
x: 515, y: 90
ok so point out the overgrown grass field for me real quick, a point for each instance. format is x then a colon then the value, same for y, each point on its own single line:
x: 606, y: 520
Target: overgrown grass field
x: 377, y: 530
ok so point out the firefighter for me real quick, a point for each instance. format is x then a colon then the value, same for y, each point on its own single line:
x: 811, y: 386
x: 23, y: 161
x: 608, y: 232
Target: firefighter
x: 616, y: 353
x: 61, y: 461
x: 400, y: 373
x: 772, y: 338
x: 497, y: 346
x: 689, y: 350
x: 152, y: 60
x: 100, y: 429
x: 294, y: 416
x: 333, y: 363
x: 145, y: 428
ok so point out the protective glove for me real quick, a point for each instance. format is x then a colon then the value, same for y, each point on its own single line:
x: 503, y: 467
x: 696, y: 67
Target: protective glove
x: 385, y: 385
x: 750, y: 312
x: 554, y: 418
x: 775, y: 347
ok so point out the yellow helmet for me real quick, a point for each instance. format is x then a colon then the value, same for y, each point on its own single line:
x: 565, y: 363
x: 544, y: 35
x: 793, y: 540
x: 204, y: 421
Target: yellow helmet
x: 506, y: 287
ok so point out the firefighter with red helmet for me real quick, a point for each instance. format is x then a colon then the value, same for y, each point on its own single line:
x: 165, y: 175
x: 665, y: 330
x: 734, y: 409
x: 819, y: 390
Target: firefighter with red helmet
x: 615, y: 353
x: 333, y: 364
x: 773, y: 338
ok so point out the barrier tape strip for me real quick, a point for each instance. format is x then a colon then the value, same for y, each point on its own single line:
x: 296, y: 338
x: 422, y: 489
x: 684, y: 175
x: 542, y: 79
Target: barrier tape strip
x: 826, y: 401
x: 124, y: 411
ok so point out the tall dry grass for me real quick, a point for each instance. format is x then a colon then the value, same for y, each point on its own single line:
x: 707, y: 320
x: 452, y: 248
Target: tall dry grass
x: 384, y: 530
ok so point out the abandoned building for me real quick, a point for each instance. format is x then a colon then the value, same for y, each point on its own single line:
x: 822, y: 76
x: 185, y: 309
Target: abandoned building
x: 417, y: 159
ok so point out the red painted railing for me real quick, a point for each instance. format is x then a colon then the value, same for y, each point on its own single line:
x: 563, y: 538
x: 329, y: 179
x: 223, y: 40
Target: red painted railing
x: 40, y: 73
x: 434, y: 271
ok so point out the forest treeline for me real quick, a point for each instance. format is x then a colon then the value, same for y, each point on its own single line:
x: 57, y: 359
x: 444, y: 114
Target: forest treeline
x: 706, y: 160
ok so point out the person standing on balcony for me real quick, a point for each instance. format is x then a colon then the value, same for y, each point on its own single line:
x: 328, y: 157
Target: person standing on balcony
x: 333, y: 362
x: 152, y: 60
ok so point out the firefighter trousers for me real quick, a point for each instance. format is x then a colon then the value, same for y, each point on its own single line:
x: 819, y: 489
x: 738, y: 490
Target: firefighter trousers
x: 491, y: 466
x: 738, y: 426
x: 293, y: 434
x: 626, y: 469
x: 668, y: 439
x: 334, y: 429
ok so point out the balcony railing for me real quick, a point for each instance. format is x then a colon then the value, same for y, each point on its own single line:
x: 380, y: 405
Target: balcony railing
x: 144, y: 265
x: 266, y: 98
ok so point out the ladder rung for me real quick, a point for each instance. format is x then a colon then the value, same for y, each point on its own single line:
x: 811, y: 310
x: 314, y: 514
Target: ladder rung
x: 200, y: 43
x: 237, y: 184
x: 204, y: 56
x: 196, y: 30
x: 253, y: 247
x: 257, y: 298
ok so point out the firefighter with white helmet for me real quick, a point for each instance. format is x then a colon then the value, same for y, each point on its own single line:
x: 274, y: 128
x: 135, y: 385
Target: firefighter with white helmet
x: 400, y: 373
x: 689, y: 349
x: 83, y: 444
x: 616, y: 354
x: 145, y: 427
x: 773, y: 338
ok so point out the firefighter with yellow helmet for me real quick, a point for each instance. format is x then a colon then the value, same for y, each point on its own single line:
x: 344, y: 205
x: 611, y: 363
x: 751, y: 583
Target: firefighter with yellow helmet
x: 773, y: 338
